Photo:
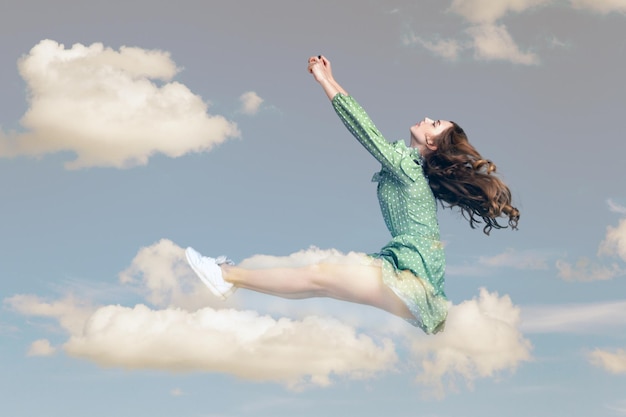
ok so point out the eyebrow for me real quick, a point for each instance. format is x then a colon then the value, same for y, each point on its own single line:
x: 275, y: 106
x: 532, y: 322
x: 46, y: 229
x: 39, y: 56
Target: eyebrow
x: 438, y: 122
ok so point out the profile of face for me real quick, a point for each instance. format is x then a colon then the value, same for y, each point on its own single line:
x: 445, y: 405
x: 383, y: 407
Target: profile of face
x: 424, y: 134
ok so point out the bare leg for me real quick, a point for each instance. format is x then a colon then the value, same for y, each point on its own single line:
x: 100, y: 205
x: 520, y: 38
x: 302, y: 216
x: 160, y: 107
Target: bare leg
x: 361, y: 284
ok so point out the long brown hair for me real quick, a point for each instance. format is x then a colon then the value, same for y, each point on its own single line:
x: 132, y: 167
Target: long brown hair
x: 460, y: 177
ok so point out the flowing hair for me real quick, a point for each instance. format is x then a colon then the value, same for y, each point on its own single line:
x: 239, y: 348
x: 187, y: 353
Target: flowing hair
x: 460, y: 177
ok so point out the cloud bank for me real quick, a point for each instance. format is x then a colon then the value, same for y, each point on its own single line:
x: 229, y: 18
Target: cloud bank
x: 174, y: 334
x: 240, y: 343
x: 110, y: 108
x: 488, y: 38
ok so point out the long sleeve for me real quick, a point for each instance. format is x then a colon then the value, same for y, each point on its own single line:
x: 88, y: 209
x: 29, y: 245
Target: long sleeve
x: 363, y: 129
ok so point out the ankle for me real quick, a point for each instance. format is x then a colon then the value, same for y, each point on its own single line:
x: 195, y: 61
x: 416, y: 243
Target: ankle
x: 227, y: 273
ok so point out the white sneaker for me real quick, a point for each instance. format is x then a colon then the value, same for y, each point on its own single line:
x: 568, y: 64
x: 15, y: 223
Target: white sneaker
x: 209, y: 271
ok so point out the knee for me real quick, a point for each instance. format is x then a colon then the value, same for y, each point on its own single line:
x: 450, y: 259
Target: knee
x: 317, y: 281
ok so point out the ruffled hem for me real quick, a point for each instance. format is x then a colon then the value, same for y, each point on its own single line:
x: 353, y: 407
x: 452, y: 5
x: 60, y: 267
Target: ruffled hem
x: 429, y: 310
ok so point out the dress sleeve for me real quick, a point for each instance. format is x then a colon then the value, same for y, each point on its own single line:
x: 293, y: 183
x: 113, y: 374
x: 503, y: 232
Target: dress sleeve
x: 362, y: 128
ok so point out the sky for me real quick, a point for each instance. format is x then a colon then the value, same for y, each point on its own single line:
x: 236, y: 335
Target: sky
x: 131, y: 130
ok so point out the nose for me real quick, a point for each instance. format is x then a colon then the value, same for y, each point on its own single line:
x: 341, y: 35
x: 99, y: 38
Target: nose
x: 427, y: 120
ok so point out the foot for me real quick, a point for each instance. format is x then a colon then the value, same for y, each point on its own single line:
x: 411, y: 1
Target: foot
x: 210, y: 272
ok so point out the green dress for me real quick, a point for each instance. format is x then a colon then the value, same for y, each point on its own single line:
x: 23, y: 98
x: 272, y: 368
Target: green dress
x: 413, y: 262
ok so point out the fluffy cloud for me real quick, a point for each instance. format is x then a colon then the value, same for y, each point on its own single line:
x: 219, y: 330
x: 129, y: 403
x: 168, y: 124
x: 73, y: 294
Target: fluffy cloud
x: 296, y: 353
x: 69, y: 312
x: 161, y: 274
x: 111, y: 108
x: 446, y: 48
x: 310, y: 256
x: 41, y: 347
x: 613, y: 245
x: 490, y: 40
x: 250, y: 102
x: 613, y: 362
x: 241, y: 343
x: 481, y: 338
x: 493, y: 42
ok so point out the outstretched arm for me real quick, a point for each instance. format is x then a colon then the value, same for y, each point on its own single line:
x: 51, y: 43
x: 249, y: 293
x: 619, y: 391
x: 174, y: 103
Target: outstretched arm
x: 356, y: 119
x: 320, y: 67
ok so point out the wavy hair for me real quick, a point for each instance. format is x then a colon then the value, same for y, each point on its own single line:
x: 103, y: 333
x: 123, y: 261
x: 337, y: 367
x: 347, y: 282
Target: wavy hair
x: 460, y: 177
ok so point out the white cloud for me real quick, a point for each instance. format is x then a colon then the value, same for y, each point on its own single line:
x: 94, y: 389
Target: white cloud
x: 575, y: 318
x: 615, y: 241
x: 108, y: 108
x: 490, y: 40
x: 615, y: 208
x: 489, y: 11
x: 241, y: 343
x: 493, y: 42
x: 310, y: 256
x: 585, y: 270
x: 613, y: 362
x: 529, y: 260
x: 445, y: 48
x: 600, y: 6
x: 250, y: 102
x: 70, y: 313
x: 41, y: 347
x: 613, y: 245
x: 297, y: 353
x: 481, y: 339
x: 161, y: 273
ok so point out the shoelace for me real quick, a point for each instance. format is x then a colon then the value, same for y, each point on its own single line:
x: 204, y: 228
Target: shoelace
x: 223, y: 260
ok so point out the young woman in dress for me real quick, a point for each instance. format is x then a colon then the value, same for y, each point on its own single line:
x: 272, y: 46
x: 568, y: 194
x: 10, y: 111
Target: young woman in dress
x: 406, y: 278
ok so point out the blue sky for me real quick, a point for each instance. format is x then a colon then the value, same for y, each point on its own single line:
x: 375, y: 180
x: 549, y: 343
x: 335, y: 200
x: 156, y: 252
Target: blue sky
x: 130, y: 130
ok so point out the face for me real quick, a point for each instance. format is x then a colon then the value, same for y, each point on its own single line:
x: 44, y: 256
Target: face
x: 424, y: 133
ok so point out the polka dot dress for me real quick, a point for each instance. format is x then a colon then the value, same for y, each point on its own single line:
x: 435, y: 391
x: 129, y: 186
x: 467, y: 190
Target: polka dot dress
x: 413, y: 262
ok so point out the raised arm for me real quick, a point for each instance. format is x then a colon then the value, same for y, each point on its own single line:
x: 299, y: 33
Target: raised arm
x: 357, y: 121
x: 320, y: 67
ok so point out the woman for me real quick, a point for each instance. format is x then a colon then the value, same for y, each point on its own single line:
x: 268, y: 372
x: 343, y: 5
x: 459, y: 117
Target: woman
x: 406, y: 277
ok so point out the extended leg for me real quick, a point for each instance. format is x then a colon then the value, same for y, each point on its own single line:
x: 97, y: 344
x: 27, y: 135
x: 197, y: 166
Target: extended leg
x: 361, y: 284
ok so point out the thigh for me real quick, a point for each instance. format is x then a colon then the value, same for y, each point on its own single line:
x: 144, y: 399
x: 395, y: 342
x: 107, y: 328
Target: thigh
x: 361, y: 284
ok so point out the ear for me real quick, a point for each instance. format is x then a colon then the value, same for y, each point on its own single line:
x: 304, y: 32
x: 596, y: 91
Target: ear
x: 430, y: 144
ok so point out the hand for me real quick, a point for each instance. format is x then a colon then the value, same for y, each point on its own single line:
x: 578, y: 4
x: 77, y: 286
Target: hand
x: 320, y: 67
